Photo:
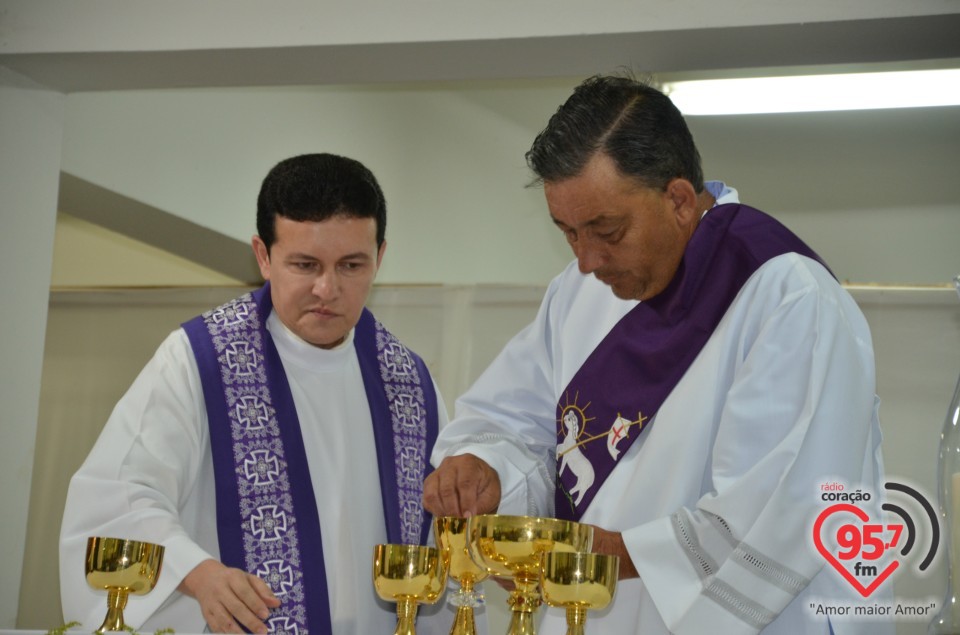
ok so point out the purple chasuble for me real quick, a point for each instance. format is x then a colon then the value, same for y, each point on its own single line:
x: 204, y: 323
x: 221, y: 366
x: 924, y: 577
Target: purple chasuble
x: 267, y: 518
x: 621, y: 385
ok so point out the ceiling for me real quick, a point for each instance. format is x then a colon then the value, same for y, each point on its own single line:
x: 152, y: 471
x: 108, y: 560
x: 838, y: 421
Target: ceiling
x: 706, y: 51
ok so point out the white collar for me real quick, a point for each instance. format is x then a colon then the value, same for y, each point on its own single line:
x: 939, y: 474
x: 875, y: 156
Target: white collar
x: 294, y: 349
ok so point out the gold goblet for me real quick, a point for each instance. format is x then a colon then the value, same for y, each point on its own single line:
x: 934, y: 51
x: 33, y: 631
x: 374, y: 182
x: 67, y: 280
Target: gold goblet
x: 121, y: 567
x: 578, y: 582
x: 513, y: 546
x: 451, y: 534
x: 408, y: 575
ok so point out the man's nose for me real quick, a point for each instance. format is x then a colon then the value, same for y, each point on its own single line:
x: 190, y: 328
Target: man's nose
x: 326, y: 285
x: 589, y: 257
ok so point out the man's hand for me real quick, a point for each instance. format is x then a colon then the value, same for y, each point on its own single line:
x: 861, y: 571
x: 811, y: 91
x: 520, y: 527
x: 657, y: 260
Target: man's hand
x: 611, y: 543
x: 462, y: 486
x: 229, y: 597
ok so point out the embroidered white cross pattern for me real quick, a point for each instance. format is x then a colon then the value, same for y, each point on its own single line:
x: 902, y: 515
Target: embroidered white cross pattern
x: 397, y: 360
x: 407, y: 411
x: 268, y: 523
x: 282, y: 626
x: 252, y: 413
x: 411, y: 512
x: 230, y: 315
x: 410, y: 463
x: 241, y: 358
x: 263, y: 467
x: 277, y: 574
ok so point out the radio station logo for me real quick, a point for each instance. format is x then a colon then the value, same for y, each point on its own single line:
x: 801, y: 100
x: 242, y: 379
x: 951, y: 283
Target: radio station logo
x: 866, y: 542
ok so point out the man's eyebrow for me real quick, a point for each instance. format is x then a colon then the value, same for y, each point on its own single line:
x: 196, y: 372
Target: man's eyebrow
x: 359, y: 255
x: 593, y: 222
x: 297, y: 255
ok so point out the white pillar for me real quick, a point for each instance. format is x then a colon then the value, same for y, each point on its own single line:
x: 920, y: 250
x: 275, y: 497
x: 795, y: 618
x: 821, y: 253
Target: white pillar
x: 31, y: 129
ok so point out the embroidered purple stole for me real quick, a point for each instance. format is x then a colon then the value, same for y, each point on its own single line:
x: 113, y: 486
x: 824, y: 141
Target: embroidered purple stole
x: 267, y: 517
x: 621, y: 385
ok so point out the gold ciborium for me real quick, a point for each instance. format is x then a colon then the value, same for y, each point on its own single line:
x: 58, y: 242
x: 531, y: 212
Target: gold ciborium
x: 408, y: 575
x: 578, y: 582
x: 513, y: 546
x: 451, y: 534
x: 121, y: 567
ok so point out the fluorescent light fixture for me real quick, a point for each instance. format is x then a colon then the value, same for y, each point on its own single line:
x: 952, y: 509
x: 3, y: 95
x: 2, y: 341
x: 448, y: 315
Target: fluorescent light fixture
x: 811, y: 93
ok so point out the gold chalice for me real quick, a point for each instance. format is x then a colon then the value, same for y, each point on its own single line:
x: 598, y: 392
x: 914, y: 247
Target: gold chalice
x: 451, y: 534
x: 513, y: 546
x: 578, y: 582
x: 408, y: 575
x: 121, y: 567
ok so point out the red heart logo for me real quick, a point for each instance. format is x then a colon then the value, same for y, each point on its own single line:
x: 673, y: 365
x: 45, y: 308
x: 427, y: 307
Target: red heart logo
x: 865, y: 591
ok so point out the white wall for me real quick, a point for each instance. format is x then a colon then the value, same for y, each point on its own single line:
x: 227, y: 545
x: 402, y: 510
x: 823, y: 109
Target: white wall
x: 31, y: 123
x: 872, y: 191
x: 450, y: 163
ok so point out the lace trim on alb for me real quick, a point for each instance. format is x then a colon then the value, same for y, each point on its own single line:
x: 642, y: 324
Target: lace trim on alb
x: 756, y: 563
x: 768, y: 570
x: 702, y: 563
x: 738, y: 604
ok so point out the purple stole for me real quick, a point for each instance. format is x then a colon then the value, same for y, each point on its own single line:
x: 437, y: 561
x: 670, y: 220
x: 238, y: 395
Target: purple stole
x: 267, y: 518
x: 636, y: 366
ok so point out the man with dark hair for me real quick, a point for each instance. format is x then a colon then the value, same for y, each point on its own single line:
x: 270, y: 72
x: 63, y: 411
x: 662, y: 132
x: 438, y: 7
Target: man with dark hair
x: 688, y: 385
x: 273, y: 441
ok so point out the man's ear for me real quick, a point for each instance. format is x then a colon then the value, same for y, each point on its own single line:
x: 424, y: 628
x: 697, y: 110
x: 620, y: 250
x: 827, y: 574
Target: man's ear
x: 263, y: 256
x: 380, y: 252
x: 683, y: 197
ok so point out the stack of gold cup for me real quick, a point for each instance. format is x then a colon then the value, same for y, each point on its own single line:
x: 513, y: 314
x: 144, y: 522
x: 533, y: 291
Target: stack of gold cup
x: 545, y: 558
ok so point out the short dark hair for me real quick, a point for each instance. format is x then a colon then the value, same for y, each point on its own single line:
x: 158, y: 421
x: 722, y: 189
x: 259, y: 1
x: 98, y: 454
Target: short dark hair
x: 317, y: 187
x: 630, y: 121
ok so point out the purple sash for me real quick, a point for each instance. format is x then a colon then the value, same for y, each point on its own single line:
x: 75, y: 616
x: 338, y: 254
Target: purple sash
x: 267, y: 516
x: 622, y: 384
